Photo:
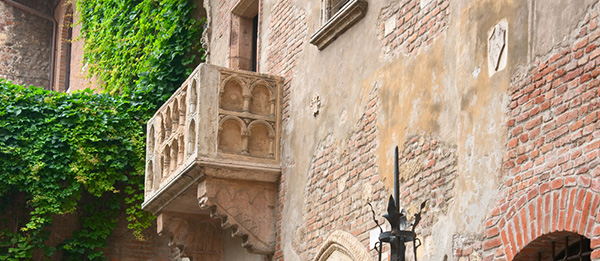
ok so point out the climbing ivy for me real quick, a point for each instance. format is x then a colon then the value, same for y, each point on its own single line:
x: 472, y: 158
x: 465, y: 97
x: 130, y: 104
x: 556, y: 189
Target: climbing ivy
x: 83, y: 153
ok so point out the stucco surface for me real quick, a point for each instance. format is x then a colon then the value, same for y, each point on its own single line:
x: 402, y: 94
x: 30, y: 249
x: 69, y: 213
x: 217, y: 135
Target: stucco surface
x: 442, y: 89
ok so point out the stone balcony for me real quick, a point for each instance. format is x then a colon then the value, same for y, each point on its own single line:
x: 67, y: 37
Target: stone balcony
x: 213, y: 150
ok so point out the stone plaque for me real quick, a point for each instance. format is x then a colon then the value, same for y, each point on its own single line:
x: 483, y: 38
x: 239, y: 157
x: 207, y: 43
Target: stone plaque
x: 497, y: 47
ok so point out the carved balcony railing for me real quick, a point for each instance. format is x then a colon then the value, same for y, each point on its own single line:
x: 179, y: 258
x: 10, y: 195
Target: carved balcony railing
x: 213, y: 149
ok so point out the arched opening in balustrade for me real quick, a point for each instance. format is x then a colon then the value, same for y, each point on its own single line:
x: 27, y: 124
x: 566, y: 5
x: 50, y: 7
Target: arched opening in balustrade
x: 161, y: 168
x: 175, y: 115
x: 182, y: 109
x: 168, y: 124
x: 181, y: 150
x: 174, y: 154
x: 191, y: 137
x: 260, y: 102
x: 167, y: 163
x: 162, y: 130
x: 193, y: 94
x: 151, y: 141
x: 232, y: 95
x: 149, y: 177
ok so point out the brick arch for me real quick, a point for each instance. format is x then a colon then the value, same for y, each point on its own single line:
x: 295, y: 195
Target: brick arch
x: 62, y: 50
x: 562, y: 205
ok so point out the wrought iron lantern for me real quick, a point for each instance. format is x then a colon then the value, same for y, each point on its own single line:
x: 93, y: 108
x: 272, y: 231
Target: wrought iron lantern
x: 401, y: 231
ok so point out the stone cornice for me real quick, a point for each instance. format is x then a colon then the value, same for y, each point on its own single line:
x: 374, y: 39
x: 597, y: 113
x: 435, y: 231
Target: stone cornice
x: 351, y: 13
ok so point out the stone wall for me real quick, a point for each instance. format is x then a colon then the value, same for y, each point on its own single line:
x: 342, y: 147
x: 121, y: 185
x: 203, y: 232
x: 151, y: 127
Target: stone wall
x: 25, y: 42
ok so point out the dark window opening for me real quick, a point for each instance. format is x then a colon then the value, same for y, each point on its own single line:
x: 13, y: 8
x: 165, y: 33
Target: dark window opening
x: 335, y: 6
x: 254, y: 54
x: 579, y: 250
x: 68, y: 43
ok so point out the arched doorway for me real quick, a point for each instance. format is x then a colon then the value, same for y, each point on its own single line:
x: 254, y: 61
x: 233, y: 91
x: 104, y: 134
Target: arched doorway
x: 557, y: 246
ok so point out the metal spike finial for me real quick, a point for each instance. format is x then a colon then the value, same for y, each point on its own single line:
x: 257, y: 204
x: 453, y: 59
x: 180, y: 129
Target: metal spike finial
x: 399, y: 233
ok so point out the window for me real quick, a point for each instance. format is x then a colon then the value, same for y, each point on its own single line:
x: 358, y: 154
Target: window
x: 337, y: 16
x: 331, y: 8
x: 557, y: 246
x: 243, y: 44
x: 64, y: 37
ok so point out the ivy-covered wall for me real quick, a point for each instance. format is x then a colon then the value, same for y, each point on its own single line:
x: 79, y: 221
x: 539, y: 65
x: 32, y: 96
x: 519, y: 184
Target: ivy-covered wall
x: 79, y: 157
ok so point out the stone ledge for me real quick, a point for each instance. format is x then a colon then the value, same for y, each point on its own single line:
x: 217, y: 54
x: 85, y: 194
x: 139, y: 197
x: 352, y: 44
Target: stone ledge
x: 351, y: 13
x: 199, y: 170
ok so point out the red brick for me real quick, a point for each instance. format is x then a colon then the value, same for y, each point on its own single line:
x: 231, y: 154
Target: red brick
x: 491, y: 243
x: 580, y: 44
x: 571, y: 75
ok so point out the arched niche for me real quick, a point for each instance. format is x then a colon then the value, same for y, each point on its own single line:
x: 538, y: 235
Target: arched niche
x: 191, y: 147
x: 162, y: 129
x: 151, y: 141
x: 193, y: 94
x: 149, y: 177
x: 342, y: 246
x: 260, y: 140
x: 175, y: 115
x: 182, y: 109
x: 174, y: 154
x: 261, y: 99
x: 161, y: 168
x: 181, y: 150
x: 167, y: 162
x: 167, y: 116
x: 232, y: 93
x: 230, y: 135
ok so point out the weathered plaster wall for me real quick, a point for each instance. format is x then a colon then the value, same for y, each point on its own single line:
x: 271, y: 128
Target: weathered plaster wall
x: 25, y: 42
x: 435, y: 84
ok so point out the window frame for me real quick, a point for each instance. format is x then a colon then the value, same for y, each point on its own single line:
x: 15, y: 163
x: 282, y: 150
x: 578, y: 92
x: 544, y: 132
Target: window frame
x: 333, y: 25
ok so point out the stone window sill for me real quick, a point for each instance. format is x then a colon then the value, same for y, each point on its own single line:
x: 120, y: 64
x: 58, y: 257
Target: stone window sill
x: 351, y: 13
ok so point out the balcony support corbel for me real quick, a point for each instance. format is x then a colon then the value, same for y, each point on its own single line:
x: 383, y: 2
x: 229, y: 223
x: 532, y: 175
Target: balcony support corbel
x: 186, y: 233
x: 247, y: 207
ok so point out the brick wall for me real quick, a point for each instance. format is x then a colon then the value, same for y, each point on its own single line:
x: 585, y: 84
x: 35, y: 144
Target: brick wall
x: 286, y: 40
x: 287, y: 37
x: 428, y: 168
x: 551, y: 166
x: 340, y: 184
x: 410, y: 26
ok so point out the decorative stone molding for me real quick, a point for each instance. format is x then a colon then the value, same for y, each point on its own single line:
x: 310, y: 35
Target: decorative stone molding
x: 344, y: 243
x: 248, y: 208
x: 351, y: 13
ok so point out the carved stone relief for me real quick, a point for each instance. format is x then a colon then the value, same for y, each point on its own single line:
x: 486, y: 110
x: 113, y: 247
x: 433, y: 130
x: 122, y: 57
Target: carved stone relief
x: 191, y: 236
x: 247, y: 116
x: 497, y: 45
x: 315, y: 104
x: 342, y: 245
x: 248, y: 208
